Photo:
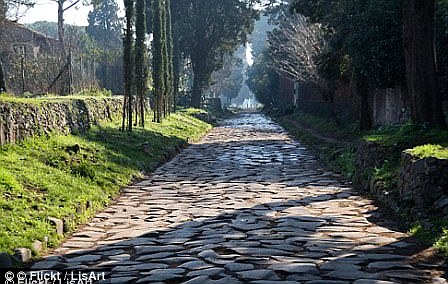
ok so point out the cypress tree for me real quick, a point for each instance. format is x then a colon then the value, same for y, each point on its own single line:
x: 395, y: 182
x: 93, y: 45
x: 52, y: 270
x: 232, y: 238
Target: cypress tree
x: 127, y: 56
x: 170, y: 69
x: 157, y: 65
x: 165, y: 58
x: 140, y: 31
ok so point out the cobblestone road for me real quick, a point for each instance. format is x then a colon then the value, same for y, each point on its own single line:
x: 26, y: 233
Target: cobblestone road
x: 247, y: 204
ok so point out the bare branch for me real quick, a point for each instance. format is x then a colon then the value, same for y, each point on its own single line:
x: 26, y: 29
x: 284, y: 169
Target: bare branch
x: 294, y: 46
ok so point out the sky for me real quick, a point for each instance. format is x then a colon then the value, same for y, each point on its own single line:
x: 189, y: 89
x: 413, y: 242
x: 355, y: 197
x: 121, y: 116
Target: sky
x: 47, y: 10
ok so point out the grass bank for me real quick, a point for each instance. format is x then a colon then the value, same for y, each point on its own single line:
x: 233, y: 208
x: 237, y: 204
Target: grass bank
x: 72, y: 177
x: 336, y: 146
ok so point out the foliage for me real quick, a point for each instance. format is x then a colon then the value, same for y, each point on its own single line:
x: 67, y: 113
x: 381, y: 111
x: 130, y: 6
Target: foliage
x: 409, y: 134
x: 15, y: 9
x: 262, y: 80
x: 127, y: 65
x: 362, y: 36
x: 433, y: 233
x: 227, y: 82
x: 105, y: 30
x: 429, y: 150
x: 159, y: 58
x: 140, y: 60
x: 42, y: 177
x: 442, y: 242
x: 49, y: 29
x: 104, y: 24
x: 206, y: 30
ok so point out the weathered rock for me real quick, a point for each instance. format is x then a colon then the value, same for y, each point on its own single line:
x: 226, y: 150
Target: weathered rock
x: 36, y: 246
x: 236, y: 266
x: 22, y: 254
x: 58, y: 224
x: 258, y: 274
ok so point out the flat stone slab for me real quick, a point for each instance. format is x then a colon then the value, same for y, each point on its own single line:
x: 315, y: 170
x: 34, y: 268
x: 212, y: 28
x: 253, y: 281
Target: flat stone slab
x: 245, y: 204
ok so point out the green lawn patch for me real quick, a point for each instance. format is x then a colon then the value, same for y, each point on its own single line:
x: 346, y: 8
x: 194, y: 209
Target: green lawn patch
x: 72, y: 177
x: 407, y: 134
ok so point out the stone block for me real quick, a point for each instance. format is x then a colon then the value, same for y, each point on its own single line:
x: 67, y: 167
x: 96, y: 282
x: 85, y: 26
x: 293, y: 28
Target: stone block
x: 37, y: 246
x: 59, y: 225
x: 22, y: 254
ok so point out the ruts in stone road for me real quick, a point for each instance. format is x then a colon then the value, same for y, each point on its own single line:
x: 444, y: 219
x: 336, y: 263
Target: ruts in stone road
x: 246, y: 204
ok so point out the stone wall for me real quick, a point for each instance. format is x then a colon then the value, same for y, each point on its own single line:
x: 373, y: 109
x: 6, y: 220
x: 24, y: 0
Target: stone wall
x: 417, y: 184
x: 370, y: 156
x: 19, y: 120
x: 424, y: 182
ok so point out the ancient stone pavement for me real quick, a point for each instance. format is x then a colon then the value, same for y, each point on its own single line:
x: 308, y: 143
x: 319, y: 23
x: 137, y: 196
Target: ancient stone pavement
x: 247, y: 204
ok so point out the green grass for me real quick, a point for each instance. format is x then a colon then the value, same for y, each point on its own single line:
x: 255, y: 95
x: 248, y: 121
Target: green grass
x: 57, y: 176
x: 434, y: 233
x: 407, y: 134
x: 429, y: 150
x: 338, y: 158
x: 326, y: 126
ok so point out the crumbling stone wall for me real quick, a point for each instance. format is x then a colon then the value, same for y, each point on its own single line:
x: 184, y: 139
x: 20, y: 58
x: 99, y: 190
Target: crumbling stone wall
x: 424, y: 182
x: 21, y: 120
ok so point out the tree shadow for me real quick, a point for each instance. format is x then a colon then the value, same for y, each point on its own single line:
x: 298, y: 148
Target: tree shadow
x: 277, y: 241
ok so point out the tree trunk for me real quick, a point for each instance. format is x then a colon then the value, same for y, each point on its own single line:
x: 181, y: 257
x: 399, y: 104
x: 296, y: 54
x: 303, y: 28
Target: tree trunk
x: 169, y: 47
x: 419, y: 52
x: 140, y: 78
x: 198, y: 81
x: 158, y: 62
x: 2, y: 79
x: 196, y: 95
x: 127, y: 60
x: 176, y: 74
x: 61, y: 23
x: 362, y: 88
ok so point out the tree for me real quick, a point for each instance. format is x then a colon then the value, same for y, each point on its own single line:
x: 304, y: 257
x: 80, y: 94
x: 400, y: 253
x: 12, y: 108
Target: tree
x: 63, y: 6
x: 294, y: 47
x: 2, y: 79
x: 170, y: 54
x: 105, y: 28
x: 364, y: 43
x: 158, y: 55
x: 140, y: 48
x: 227, y: 82
x: 441, y: 44
x: 418, y: 28
x: 104, y: 24
x: 14, y: 9
x: 263, y: 80
x: 208, y: 29
x: 127, y: 64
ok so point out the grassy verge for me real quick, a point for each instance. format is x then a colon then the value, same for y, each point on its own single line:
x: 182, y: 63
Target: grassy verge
x: 72, y: 177
x: 418, y: 140
x: 340, y: 157
x: 407, y: 136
